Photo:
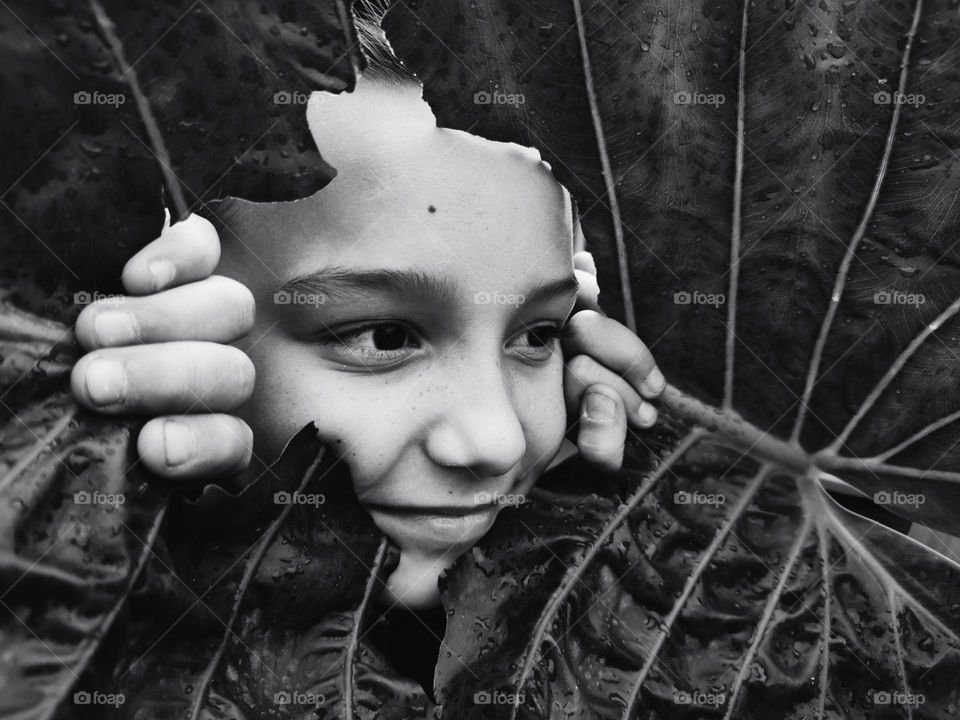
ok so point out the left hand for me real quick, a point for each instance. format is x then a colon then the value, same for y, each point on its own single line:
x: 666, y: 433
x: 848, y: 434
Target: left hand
x: 609, y: 375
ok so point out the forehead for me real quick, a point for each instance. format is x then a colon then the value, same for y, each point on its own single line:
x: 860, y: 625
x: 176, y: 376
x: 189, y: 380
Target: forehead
x: 409, y: 194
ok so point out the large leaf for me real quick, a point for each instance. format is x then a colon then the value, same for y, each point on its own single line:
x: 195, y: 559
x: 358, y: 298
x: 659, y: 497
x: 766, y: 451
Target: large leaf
x: 774, y: 603
x: 816, y: 199
x: 77, y: 519
x: 757, y: 597
x: 112, y: 110
x: 769, y: 191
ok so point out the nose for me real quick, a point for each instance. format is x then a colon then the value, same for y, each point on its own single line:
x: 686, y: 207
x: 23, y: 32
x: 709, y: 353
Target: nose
x: 477, y: 428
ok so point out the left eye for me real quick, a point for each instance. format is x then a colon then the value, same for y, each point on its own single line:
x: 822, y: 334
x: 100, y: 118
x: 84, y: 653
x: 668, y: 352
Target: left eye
x: 537, y: 342
x: 385, y: 337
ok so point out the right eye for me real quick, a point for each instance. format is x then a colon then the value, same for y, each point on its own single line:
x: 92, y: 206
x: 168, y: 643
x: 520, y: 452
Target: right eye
x: 371, y: 344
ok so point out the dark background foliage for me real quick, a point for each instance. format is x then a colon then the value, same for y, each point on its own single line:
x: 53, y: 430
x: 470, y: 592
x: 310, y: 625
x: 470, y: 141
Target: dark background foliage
x: 807, y: 198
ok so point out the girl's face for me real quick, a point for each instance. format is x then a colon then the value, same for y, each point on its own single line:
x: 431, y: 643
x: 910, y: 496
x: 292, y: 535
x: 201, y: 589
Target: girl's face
x: 411, y: 309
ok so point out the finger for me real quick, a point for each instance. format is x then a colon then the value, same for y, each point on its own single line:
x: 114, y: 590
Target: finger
x: 588, y: 292
x: 185, y: 251
x: 163, y: 378
x: 216, y: 309
x: 603, y: 428
x: 192, y: 446
x: 584, y: 261
x: 585, y: 269
x: 583, y: 372
x: 615, y: 347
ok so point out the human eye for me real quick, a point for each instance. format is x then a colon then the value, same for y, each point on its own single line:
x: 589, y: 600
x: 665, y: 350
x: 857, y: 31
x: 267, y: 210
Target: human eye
x: 372, y: 344
x: 536, y: 343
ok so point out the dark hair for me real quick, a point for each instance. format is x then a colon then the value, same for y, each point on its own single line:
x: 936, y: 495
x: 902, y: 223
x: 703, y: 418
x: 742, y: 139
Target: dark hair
x: 382, y: 64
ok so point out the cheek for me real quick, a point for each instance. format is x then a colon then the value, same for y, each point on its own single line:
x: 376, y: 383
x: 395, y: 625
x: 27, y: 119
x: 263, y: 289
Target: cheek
x: 293, y: 388
x: 540, y: 407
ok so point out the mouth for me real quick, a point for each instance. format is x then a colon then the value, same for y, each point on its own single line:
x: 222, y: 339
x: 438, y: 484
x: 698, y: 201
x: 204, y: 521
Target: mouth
x: 434, y: 527
x: 441, y: 510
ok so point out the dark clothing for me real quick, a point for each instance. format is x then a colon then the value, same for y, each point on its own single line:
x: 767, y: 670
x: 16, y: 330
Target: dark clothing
x: 410, y: 640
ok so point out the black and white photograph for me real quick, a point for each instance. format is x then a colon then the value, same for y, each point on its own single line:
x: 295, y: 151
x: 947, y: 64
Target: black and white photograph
x: 479, y: 360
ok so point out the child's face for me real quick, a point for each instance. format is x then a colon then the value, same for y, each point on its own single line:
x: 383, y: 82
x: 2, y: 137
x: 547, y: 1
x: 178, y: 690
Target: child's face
x: 425, y: 288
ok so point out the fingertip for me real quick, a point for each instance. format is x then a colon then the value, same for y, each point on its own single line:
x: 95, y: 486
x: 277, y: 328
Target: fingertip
x: 193, y: 447
x: 86, y: 334
x: 99, y: 382
x: 654, y: 384
x: 584, y: 261
x: 588, y: 292
x: 203, y: 235
x: 601, y: 405
x: 185, y: 251
x: 647, y: 415
x: 603, y: 428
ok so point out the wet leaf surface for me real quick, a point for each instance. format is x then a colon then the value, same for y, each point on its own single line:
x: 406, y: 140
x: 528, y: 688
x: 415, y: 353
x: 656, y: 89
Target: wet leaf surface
x: 716, y: 578
x: 113, y: 109
x: 768, y: 189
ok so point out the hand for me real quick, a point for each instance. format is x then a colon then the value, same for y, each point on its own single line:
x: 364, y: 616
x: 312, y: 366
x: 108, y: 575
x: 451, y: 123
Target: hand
x: 609, y: 375
x: 163, y: 351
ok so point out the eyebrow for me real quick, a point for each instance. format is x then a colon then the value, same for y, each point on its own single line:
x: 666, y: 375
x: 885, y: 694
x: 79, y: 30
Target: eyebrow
x: 348, y: 285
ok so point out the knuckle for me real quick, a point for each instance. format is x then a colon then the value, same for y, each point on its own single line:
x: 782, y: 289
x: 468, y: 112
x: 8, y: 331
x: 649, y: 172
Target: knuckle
x: 584, y: 321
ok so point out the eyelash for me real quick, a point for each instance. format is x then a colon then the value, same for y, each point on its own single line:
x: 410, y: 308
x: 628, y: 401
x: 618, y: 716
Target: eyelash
x: 548, y: 334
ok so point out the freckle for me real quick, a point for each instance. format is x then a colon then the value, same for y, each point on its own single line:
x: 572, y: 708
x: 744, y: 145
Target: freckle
x: 431, y: 208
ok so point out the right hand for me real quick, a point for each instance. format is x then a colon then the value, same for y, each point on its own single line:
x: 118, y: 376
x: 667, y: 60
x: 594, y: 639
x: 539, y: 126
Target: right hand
x: 164, y: 351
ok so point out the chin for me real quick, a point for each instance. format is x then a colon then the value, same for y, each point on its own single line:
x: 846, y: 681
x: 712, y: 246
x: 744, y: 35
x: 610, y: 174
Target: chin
x: 413, y: 584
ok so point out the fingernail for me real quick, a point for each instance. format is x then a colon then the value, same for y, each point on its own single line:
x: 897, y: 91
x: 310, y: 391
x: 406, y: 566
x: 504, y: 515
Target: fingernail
x: 655, y: 382
x: 179, y: 443
x: 647, y: 414
x: 106, y: 382
x: 599, y: 408
x: 114, y: 327
x: 162, y: 271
